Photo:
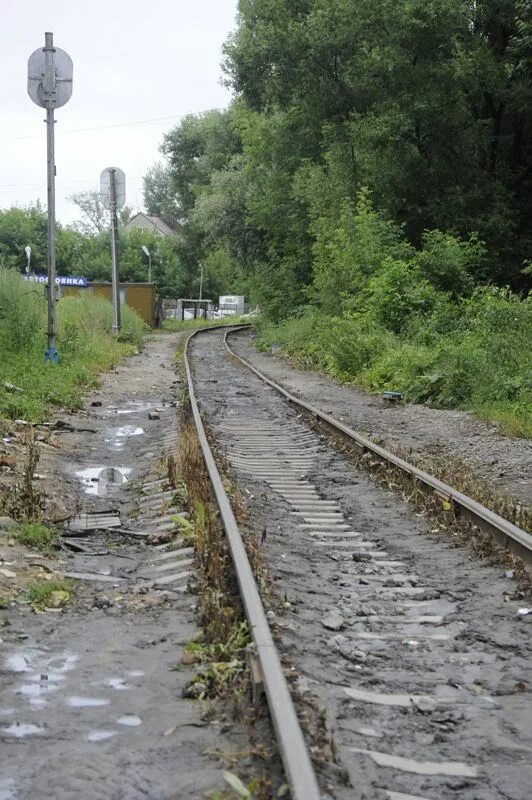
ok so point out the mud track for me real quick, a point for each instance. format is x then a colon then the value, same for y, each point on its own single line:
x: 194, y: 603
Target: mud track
x: 91, y: 702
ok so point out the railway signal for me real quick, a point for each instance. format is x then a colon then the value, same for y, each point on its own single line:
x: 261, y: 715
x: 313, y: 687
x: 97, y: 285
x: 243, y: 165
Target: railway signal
x: 113, y: 196
x: 50, y: 72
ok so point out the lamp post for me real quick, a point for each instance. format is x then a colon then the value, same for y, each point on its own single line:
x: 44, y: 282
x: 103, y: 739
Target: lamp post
x: 147, y: 253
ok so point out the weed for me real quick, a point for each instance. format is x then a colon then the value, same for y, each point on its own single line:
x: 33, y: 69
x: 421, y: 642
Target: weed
x: 22, y: 502
x: 54, y: 593
x: 34, y: 535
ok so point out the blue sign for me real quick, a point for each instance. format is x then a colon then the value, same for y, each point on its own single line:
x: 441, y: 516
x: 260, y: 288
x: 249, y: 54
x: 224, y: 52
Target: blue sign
x: 61, y: 280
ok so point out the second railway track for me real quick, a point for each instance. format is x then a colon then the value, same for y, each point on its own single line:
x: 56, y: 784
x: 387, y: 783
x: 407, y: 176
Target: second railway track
x: 418, y: 654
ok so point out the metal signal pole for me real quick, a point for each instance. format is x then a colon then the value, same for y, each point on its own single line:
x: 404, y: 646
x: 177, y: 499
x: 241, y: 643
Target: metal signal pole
x: 49, y: 93
x: 50, y: 87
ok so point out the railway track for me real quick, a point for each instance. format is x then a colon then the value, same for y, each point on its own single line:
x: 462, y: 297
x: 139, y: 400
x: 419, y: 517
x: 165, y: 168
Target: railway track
x: 419, y: 656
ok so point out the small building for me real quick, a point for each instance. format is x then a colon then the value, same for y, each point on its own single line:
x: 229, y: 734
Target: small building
x: 184, y: 308
x: 230, y: 305
x: 141, y: 297
x: 149, y: 222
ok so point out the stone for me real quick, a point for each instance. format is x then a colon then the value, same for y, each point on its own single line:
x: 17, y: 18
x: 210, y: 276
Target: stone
x: 357, y: 556
x: 154, y: 415
x: 333, y: 621
x: 5, y: 523
x: 101, y: 601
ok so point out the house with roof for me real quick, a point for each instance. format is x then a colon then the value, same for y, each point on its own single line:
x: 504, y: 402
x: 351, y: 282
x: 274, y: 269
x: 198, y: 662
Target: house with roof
x: 149, y: 222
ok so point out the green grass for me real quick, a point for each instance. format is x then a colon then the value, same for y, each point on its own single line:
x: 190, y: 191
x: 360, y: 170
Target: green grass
x: 85, y: 342
x: 53, y: 593
x: 34, y: 535
x: 472, y: 355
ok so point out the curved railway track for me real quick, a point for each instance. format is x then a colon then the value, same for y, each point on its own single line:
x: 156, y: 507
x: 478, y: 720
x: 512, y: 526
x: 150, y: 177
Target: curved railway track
x: 409, y: 669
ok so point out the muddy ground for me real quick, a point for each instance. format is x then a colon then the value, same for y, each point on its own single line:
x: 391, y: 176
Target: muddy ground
x: 419, y: 653
x: 439, y: 437
x: 91, y: 695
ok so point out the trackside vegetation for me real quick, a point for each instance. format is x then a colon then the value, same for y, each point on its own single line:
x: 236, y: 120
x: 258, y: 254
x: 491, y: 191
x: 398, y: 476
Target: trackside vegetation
x: 369, y: 187
x: 413, y: 321
x: 30, y: 387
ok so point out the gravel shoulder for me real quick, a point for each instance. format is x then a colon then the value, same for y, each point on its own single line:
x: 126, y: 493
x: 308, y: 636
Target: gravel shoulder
x: 500, y: 463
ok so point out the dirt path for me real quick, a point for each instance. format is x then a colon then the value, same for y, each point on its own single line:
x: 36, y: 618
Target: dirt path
x: 91, y: 705
x: 440, y: 437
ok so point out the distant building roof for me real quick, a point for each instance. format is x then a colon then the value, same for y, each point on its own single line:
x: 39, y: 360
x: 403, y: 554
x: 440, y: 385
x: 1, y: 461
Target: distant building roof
x: 148, y: 222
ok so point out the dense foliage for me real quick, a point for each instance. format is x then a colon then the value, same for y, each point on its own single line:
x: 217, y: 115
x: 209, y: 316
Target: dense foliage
x: 370, y: 188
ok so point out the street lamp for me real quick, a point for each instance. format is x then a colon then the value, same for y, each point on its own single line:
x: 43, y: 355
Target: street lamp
x: 27, y: 250
x: 147, y: 253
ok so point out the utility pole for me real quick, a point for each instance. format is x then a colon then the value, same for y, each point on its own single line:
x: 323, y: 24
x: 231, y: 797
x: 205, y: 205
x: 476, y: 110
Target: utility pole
x: 114, y: 248
x: 113, y: 195
x: 50, y: 86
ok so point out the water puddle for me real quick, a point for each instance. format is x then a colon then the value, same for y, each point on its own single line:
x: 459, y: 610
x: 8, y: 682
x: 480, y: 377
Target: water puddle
x: 86, y: 702
x: 117, y: 683
x: 7, y: 789
x: 100, y: 736
x: 96, y: 480
x: 43, y: 673
x: 134, y: 407
x: 118, y: 436
x: 131, y: 720
x: 21, y: 729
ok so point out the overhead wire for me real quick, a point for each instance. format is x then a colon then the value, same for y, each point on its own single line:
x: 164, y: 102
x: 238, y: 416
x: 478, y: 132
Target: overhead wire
x: 95, y: 128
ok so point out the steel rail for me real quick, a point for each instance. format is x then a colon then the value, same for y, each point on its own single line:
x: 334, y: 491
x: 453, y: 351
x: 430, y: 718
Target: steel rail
x: 294, y: 752
x: 506, y: 533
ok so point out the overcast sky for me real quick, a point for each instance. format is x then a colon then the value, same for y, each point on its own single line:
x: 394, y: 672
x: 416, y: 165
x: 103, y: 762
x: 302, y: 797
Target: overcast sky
x: 134, y: 60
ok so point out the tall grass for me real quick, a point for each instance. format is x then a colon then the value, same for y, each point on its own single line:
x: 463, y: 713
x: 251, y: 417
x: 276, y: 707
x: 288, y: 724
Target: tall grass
x: 85, y: 341
x: 472, y: 355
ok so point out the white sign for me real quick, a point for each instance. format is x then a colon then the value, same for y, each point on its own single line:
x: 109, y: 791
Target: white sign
x: 120, y: 187
x: 63, y: 71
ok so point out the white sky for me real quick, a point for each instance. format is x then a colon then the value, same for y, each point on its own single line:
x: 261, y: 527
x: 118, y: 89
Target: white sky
x: 133, y: 60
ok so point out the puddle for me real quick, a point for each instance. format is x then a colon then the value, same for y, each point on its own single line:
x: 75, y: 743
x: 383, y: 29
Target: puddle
x: 35, y: 693
x: 131, y: 720
x: 86, y: 702
x: 119, y: 436
x: 117, y: 683
x: 7, y: 789
x: 97, y: 479
x: 100, y: 736
x: 134, y: 407
x: 21, y: 729
x: 43, y: 673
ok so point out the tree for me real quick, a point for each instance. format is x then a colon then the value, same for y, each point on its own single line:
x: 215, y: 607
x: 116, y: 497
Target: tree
x: 160, y: 193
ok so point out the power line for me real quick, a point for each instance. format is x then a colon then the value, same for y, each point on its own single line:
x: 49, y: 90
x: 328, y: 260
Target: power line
x: 98, y: 128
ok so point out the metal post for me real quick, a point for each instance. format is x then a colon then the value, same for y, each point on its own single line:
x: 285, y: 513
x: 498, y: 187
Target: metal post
x: 201, y: 281
x: 114, y: 248
x: 149, y: 268
x: 49, y: 93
